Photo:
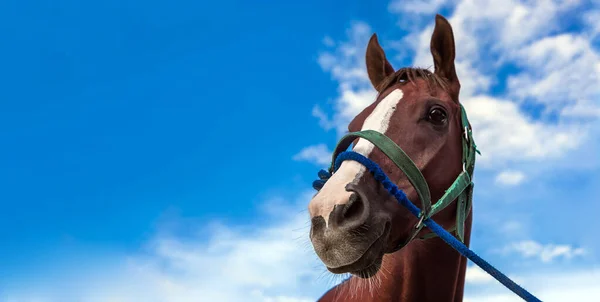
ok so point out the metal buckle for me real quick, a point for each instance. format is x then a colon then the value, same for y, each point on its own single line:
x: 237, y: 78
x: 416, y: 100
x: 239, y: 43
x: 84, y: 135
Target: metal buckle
x: 466, y: 133
x: 418, y: 225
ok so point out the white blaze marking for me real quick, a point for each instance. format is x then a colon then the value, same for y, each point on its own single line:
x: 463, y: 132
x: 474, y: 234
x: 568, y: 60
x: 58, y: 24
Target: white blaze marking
x: 334, y: 191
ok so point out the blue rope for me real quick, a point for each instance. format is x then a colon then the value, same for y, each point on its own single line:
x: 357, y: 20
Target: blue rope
x: 381, y: 177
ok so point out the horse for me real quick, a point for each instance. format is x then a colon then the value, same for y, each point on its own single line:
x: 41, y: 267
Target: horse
x: 357, y: 227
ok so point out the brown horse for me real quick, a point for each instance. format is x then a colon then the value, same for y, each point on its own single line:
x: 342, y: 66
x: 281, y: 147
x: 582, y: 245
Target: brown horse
x: 356, y: 224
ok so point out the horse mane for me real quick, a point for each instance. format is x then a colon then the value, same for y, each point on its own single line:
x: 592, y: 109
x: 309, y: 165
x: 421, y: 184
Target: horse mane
x: 409, y: 74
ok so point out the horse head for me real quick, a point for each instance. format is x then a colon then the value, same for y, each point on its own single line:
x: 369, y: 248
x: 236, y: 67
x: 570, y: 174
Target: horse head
x: 354, y: 220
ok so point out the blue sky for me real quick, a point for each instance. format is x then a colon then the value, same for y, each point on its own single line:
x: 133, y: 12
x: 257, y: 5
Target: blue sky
x: 117, y: 112
x: 152, y: 145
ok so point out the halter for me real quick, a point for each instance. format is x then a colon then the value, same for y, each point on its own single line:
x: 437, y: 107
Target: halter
x: 461, y: 189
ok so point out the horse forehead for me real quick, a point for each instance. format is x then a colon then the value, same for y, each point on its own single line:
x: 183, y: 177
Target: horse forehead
x: 407, y: 104
x: 358, y: 121
x: 381, y: 115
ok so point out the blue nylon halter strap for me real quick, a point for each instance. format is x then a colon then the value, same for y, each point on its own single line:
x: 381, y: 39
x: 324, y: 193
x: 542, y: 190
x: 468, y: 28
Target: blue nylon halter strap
x: 401, y: 197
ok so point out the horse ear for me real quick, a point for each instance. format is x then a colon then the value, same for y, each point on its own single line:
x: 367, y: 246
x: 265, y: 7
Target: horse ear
x: 443, y: 52
x: 378, y: 66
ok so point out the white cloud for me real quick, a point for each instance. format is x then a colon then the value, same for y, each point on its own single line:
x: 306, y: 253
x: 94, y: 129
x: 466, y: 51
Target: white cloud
x: 562, y: 70
x: 317, y: 154
x: 582, y: 109
x: 346, y: 64
x: 272, y: 262
x: 417, y: 7
x: 268, y: 264
x: 328, y: 41
x: 510, y: 177
x: 504, y: 133
x: 476, y: 275
x: 545, y: 253
x: 551, y: 286
x: 505, y: 27
x: 480, y: 32
x: 592, y: 19
x: 512, y: 227
x: 516, y: 34
x: 558, y: 71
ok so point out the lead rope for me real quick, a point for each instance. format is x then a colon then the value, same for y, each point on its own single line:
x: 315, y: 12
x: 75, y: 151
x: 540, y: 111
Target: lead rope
x: 400, y: 196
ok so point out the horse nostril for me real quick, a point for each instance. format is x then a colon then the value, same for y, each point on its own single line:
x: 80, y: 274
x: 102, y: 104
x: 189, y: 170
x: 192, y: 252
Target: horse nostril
x: 350, y: 215
x: 354, y: 208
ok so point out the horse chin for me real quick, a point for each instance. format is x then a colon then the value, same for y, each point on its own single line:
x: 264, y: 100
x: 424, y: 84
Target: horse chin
x: 370, y: 262
x: 371, y: 270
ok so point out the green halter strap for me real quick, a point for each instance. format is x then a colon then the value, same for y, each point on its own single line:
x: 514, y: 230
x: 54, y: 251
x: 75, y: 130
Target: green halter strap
x: 461, y: 188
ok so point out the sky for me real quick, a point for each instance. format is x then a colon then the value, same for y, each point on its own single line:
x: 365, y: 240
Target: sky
x: 165, y: 152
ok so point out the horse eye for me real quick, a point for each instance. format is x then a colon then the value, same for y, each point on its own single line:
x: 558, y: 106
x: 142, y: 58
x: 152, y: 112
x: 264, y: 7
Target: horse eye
x: 437, y: 116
